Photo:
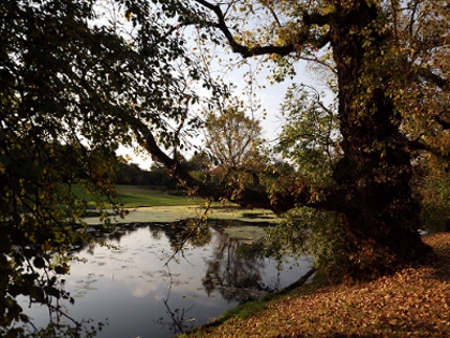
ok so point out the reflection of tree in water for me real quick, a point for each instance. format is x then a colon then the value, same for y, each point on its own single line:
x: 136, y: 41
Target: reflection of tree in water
x: 189, y: 231
x: 175, y: 233
x: 234, y: 276
x: 156, y: 231
x: 111, y: 235
x: 177, y: 322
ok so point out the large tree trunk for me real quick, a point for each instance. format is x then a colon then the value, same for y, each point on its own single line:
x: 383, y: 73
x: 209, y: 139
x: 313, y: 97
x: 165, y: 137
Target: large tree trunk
x: 380, y: 231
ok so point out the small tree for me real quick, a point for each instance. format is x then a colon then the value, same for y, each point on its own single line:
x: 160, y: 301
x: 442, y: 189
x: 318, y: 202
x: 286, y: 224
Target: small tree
x: 233, y: 138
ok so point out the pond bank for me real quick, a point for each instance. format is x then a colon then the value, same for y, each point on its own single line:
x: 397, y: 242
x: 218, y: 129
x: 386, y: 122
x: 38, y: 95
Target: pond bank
x: 415, y: 302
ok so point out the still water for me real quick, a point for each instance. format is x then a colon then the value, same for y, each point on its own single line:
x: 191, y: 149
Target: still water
x: 131, y: 289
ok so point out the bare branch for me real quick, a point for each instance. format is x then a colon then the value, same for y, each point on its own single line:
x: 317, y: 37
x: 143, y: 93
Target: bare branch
x: 413, y: 16
x: 275, y: 16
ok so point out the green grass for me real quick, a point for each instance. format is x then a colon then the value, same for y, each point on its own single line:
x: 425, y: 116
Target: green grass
x: 137, y: 196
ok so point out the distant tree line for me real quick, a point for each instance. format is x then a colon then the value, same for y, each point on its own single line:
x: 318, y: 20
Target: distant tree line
x: 158, y: 177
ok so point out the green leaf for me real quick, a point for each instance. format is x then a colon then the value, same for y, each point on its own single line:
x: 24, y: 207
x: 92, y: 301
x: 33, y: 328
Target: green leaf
x: 52, y: 291
x: 39, y: 262
x: 37, y: 294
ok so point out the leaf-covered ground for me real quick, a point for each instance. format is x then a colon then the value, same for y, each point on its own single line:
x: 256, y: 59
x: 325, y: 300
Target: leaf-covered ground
x: 414, y: 302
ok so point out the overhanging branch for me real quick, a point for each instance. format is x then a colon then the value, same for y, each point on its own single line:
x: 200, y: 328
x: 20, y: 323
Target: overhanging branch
x: 419, y: 146
x: 257, y: 197
x: 445, y: 124
x: 428, y: 75
x: 146, y: 140
x: 283, y: 50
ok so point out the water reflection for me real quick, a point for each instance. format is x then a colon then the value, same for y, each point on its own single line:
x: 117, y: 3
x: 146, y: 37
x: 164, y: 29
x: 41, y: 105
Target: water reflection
x: 140, y: 297
x: 178, y: 321
x: 234, y: 276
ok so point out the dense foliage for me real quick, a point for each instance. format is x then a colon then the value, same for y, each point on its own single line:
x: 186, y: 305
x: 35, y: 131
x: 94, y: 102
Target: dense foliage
x: 76, y: 80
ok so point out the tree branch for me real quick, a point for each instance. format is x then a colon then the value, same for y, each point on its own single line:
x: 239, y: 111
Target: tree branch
x: 443, y: 123
x: 419, y: 146
x: 439, y: 81
x: 257, y: 197
x: 244, y: 50
x: 275, y: 16
x: 146, y: 140
x: 318, y: 19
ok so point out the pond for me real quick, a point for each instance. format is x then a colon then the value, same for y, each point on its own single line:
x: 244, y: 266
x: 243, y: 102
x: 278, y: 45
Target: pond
x: 130, y: 288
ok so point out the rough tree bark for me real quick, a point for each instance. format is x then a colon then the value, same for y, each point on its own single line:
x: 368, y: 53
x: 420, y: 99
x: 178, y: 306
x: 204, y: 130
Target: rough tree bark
x: 375, y: 171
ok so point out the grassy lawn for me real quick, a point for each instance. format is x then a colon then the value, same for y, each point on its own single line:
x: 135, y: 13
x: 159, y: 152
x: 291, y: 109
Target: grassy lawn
x: 137, y: 196
x: 414, y: 302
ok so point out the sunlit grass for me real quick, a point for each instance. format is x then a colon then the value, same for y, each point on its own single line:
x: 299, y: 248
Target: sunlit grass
x: 135, y: 196
x: 131, y: 196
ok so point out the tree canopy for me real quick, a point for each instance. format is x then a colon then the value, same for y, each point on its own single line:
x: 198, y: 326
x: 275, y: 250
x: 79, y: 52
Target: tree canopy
x: 75, y: 84
x: 80, y: 78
